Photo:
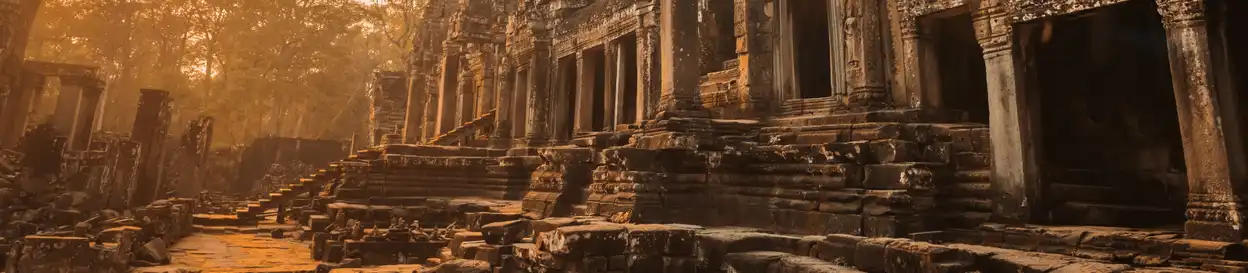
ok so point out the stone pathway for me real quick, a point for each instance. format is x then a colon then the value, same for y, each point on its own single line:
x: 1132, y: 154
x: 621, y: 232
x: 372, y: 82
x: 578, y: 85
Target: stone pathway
x: 236, y: 253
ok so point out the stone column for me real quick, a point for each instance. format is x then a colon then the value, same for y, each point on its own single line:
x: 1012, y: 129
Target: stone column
x: 150, y: 128
x: 413, y: 120
x: 446, y: 91
x: 648, y: 64
x: 65, y: 117
x: 616, y: 109
x: 609, y: 67
x: 584, y: 109
x: 920, y: 82
x: 466, y: 110
x: 864, y: 38
x: 755, y: 52
x: 501, y: 137
x: 92, y: 90
x: 538, y: 131
x: 1215, y: 177
x: 1015, y: 177
x: 678, y: 38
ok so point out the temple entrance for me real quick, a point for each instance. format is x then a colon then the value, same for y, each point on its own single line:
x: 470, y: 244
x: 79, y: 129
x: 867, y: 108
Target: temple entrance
x: 812, y: 48
x: 628, y: 78
x: 1110, y: 149
x: 963, y: 78
x: 596, y: 75
x: 565, y: 114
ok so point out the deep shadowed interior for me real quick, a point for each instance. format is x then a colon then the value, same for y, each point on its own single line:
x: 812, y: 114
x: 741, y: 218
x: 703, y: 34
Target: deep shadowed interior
x: 1111, y: 149
x: 569, y: 76
x: 963, y: 79
x: 811, y: 44
x: 628, y: 47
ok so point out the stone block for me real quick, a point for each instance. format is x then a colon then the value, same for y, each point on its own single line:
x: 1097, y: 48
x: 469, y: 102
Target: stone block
x: 645, y: 263
x: 876, y: 131
x: 492, y: 254
x: 713, y: 245
x: 972, y: 161
x: 476, y: 220
x: 856, y: 152
x: 54, y: 254
x: 460, y: 238
x: 661, y: 240
x: 753, y: 261
x: 911, y: 256
x: 871, y: 254
x: 846, y: 201
x: 679, y: 264
x: 505, y: 233
x: 895, y: 151
x: 836, y: 223
x: 588, y: 240
x: 891, y: 226
x: 939, y: 152
x: 889, y: 202
x: 801, y: 264
x: 900, y: 176
x: 837, y: 248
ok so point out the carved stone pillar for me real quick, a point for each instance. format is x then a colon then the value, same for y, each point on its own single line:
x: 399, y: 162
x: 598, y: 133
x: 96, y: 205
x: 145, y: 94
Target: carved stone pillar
x: 501, y: 136
x: 864, y: 38
x: 618, y: 84
x: 466, y: 91
x: 678, y: 38
x: 648, y: 65
x: 1015, y: 176
x: 609, y: 63
x: 1214, y: 205
x: 92, y: 92
x: 414, y: 119
x: 918, y: 58
x: 755, y: 52
x: 447, y: 97
x: 583, y: 118
x: 538, y: 131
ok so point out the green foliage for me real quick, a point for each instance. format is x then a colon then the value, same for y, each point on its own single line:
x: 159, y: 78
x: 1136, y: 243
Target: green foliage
x: 261, y: 67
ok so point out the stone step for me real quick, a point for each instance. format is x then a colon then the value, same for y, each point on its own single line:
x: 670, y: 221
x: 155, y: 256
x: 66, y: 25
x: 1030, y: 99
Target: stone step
x: 973, y: 176
x: 1096, y: 214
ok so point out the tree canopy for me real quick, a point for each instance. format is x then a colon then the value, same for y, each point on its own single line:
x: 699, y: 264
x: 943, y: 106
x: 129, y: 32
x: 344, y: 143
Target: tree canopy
x: 294, y: 68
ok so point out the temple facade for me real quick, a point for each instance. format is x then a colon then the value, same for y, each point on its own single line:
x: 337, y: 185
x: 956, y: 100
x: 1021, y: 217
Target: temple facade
x: 916, y: 115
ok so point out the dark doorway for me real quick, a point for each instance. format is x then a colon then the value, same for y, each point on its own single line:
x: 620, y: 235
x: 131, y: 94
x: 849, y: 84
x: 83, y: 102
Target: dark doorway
x: 628, y: 48
x: 566, y: 119
x: 1110, y: 145
x: 963, y: 79
x: 812, y: 48
x: 596, y: 59
x: 1228, y: 42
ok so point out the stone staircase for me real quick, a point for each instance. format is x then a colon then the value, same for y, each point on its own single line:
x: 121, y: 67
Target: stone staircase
x: 464, y: 132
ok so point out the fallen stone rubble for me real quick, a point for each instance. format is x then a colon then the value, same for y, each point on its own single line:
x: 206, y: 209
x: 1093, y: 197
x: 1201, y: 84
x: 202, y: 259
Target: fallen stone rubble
x: 106, y: 242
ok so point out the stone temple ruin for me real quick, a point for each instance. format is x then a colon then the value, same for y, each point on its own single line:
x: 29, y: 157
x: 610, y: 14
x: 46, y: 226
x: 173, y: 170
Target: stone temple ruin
x: 794, y: 136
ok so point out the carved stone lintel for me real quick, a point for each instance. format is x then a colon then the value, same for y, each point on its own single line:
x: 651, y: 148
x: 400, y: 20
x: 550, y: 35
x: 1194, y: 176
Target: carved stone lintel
x: 1181, y: 13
